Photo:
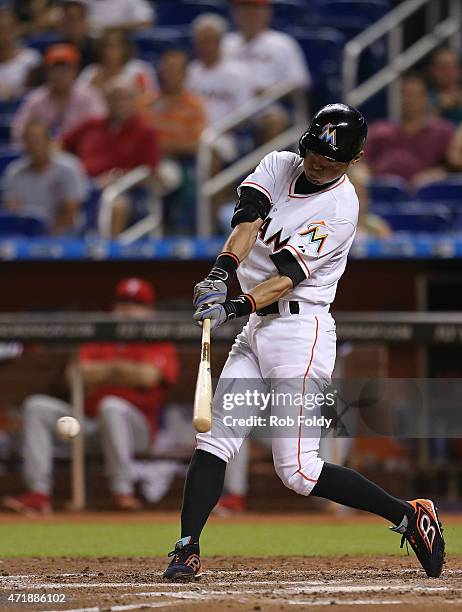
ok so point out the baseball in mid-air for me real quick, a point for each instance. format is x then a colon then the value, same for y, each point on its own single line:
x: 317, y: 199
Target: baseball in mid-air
x: 67, y: 427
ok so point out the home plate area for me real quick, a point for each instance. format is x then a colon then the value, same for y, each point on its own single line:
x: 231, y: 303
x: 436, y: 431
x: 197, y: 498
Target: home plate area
x: 282, y: 583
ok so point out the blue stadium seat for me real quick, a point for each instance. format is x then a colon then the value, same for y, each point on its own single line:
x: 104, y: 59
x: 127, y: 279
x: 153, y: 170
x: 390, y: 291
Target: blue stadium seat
x: 15, y: 225
x: 372, y: 10
x: 7, y: 155
x: 289, y: 12
x: 413, y: 217
x: 323, y: 48
x: 388, y: 189
x: 152, y: 43
x: 41, y: 42
x: 89, y: 211
x: 183, y: 12
x: 449, y: 190
x: 5, y: 129
x: 9, y: 107
x: 351, y: 17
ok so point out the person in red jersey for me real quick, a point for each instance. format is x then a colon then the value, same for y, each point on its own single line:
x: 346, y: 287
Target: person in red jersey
x: 125, y: 390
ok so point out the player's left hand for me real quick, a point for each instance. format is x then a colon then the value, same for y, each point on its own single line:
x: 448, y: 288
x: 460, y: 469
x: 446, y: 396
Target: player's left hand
x: 215, y: 312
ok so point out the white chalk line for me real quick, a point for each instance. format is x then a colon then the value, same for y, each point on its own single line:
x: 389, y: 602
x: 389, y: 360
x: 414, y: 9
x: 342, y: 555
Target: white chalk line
x: 213, y: 572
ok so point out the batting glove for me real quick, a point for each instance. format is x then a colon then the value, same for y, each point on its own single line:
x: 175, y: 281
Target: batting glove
x: 214, y: 288
x: 215, y: 312
x: 209, y: 291
x: 220, y: 313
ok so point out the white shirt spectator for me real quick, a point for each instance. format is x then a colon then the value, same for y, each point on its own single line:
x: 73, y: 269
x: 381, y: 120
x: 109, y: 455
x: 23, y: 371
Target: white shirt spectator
x: 113, y: 13
x: 14, y: 73
x: 137, y: 72
x: 41, y: 194
x: 223, y: 87
x: 271, y: 57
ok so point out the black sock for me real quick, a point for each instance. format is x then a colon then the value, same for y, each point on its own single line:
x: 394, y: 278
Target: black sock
x: 349, y: 488
x: 202, y: 490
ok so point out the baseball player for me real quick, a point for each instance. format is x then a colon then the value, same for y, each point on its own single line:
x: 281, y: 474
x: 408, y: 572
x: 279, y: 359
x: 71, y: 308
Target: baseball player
x: 292, y: 229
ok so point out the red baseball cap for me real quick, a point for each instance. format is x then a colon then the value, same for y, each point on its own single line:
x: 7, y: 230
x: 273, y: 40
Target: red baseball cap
x: 135, y: 290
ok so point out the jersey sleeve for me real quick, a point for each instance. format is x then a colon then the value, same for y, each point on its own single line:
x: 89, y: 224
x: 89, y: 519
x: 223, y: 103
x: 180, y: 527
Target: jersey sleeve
x: 311, y: 247
x: 264, y: 176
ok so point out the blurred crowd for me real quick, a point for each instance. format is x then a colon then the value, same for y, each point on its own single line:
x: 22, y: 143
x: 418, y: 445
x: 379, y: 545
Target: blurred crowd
x: 87, y: 108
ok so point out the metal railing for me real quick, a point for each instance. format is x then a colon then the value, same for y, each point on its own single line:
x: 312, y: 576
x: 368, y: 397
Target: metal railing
x: 151, y: 223
x: 208, y: 186
x: 399, y: 59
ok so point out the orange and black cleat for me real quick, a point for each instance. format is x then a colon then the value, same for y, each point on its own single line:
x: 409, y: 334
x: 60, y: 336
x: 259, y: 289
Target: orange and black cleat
x: 424, y: 533
x: 186, y: 564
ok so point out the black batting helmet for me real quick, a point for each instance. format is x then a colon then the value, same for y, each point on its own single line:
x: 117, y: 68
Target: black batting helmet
x: 337, y: 132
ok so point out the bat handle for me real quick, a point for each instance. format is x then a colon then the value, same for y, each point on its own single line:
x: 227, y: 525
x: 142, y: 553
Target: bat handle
x: 202, y: 418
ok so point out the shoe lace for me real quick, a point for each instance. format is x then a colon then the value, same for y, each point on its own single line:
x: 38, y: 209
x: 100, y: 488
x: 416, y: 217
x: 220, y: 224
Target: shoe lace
x: 403, y: 539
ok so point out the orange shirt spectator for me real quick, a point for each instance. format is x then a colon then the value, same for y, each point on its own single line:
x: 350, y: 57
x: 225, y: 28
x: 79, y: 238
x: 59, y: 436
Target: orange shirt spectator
x: 178, y: 115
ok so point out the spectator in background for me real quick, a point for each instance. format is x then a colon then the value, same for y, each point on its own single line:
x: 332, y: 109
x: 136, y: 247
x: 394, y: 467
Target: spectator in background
x: 214, y: 79
x: 62, y: 103
x: 179, y: 118
x: 220, y: 82
x: 74, y: 26
x: 15, y: 61
x: 125, y: 389
x: 34, y: 15
x: 116, y: 58
x: 128, y: 14
x: 455, y: 151
x: 444, y: 72
x: 114, y: 144
x: 45, y: 183
x: 416, y: 147
x: 271, y: 57
x: 178, y: 114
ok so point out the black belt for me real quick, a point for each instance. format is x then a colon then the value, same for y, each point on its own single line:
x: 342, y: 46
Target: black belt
x: 294, y: 308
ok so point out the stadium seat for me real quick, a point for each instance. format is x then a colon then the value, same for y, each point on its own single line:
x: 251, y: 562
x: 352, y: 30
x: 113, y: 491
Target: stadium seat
x: 183, y: 12
x: 7, y: 155
x: 9, y: 107
x: 15, y: 225
x: 413, y: 217
x: 449, y: 190
x: 289, y: 12
x: 152, y: 43
x: 89, y: 213
x: 372, y: 10
x: 323, y: 48
x: 41, y: 42
x: 388, y: 189
x: 351, y: 17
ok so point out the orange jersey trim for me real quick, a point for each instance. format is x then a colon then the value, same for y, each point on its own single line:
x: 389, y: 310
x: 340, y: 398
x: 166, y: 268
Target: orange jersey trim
x: 289, y: 246
x: 299, y: 471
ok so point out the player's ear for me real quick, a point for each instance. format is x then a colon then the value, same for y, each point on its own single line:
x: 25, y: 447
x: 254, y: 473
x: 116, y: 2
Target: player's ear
x: 356, y: 159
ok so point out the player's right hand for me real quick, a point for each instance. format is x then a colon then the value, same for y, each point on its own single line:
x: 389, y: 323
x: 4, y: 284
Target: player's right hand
x: 209, y: 291
x: 215, y: 312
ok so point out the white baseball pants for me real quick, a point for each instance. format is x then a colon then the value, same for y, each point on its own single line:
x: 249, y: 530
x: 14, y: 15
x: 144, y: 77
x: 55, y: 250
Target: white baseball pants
x: 287, y: 354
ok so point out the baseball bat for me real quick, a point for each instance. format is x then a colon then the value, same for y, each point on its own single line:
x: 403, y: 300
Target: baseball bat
x: 202, y: 417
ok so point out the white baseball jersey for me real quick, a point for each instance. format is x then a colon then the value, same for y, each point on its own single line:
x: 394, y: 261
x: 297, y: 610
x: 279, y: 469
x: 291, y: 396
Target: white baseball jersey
x: 216, y: 85
x: 272, y: 57
x: 316, y: 229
